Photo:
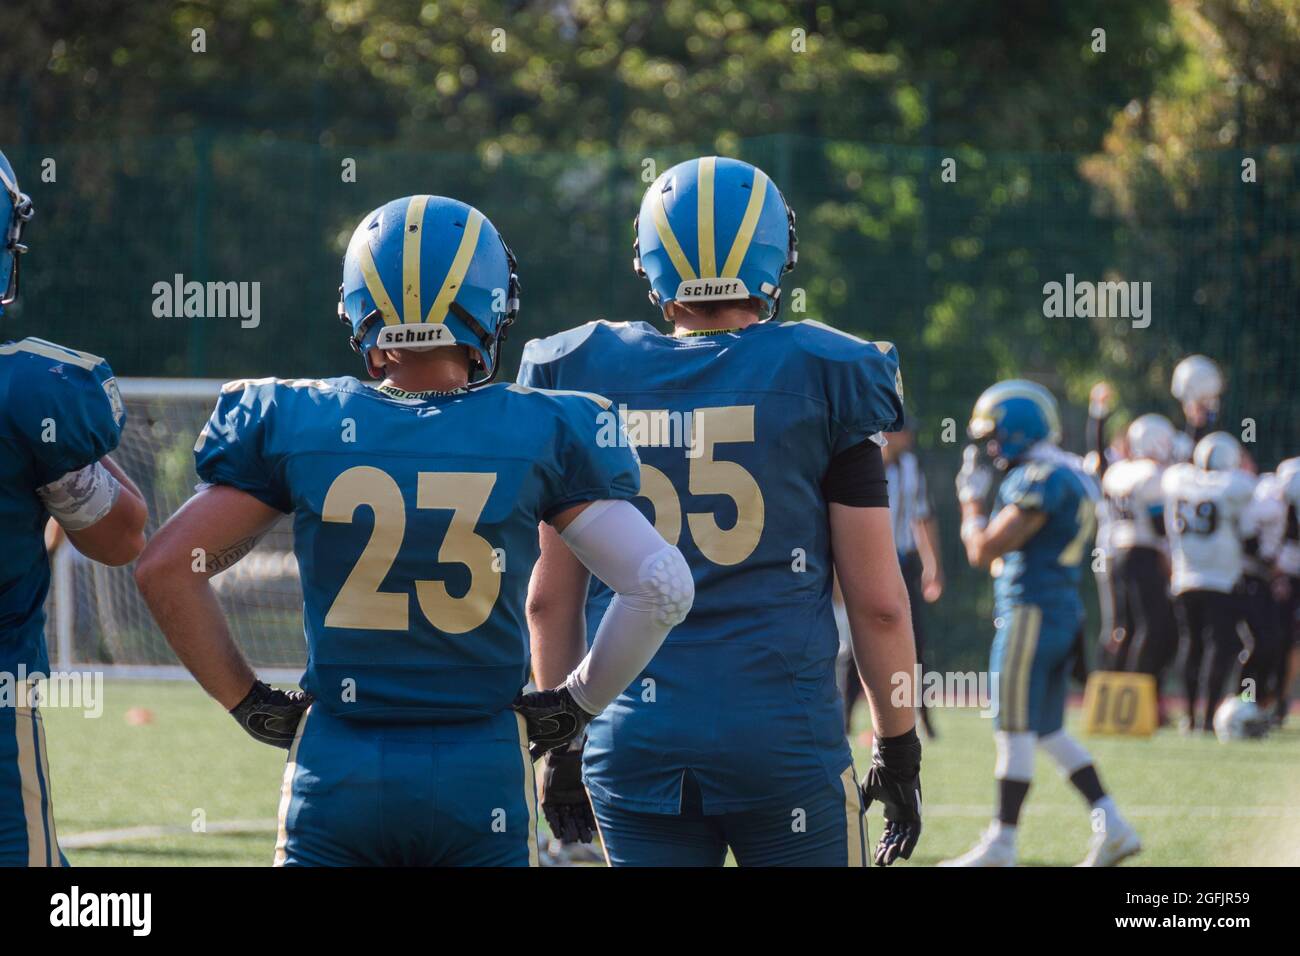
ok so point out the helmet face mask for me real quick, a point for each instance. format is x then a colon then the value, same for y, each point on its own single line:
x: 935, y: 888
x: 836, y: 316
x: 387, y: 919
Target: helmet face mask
x: 428, y: 272
x: 1012, y: 417
x: 20, y: 213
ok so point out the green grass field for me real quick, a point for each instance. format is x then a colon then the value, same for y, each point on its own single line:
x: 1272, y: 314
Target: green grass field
x: 1195, y: 801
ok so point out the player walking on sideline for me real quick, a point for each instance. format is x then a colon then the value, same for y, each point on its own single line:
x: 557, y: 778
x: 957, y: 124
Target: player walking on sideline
x: 416, y: 506
x: 60, y: 416
x: 1041, y: 529
x: 760, y: 463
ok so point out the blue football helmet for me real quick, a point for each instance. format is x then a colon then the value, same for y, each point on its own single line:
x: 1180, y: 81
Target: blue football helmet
x: 15, y: 212
x: 1016, y: 414
x: 426, y: 271
x: 714, y: 229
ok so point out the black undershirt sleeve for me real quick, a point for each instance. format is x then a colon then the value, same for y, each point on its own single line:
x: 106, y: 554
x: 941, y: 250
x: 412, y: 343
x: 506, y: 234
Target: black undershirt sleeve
x: 856, y: 477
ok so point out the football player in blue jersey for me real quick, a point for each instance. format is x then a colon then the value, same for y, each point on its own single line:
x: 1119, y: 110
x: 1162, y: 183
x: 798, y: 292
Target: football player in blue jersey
x: 1034, y: 545
x: 761, y: 461
x: 416, y: 506
x: 60, y: 416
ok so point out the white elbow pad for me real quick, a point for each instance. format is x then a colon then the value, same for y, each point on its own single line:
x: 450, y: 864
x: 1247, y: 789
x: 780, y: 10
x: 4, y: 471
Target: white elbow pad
x: 667, y: 584
x: 80, y: 498
x: 653, y: 592
x: 621, y: 548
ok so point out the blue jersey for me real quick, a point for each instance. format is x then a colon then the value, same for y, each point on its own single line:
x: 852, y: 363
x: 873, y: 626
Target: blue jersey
x: 60, y: 411
x: 735, y: 433
x: 415, y: 527
x: 1047, y: 569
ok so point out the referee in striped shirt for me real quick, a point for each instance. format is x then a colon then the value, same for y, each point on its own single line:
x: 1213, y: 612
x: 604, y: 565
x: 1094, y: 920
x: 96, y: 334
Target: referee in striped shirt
x: 916, y: 535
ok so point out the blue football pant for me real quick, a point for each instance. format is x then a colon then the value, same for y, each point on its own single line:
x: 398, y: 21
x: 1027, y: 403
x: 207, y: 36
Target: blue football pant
x: 1032, y: 657
x: 826, y: 828
x: 370, y: 794
x: 27, y: 836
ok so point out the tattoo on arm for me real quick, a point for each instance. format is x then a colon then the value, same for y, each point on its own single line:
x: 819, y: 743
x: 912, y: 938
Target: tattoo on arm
x: 223, y: 559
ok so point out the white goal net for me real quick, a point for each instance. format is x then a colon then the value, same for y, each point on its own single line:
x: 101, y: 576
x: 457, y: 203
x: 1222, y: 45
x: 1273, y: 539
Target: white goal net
x: 96, y: 615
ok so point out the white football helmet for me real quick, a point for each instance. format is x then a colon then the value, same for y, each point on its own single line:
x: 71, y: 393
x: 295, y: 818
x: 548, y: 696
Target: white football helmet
x: 1238, y: 719
x: 1197, y: 379
x: 1217, y: 451
x: 1151, y: 436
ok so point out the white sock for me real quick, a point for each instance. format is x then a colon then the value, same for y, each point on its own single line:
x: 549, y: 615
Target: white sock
x: 1003, y: 832
x: 1107, y: 806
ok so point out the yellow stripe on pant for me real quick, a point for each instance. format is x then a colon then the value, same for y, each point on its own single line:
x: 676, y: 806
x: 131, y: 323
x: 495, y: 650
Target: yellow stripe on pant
x: 34, y: 776
x: 286, y: 792
x: 530, y: 789
x: 1027, y: 621
x: 855, y: 821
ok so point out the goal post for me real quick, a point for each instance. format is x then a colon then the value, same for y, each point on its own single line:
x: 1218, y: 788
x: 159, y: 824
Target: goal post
x: 96, y: 618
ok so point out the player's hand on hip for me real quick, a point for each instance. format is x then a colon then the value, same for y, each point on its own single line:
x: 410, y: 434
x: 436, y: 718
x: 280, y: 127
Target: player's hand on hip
x: 564, y: 799
x: 553, y: 717
x: 895, y: 780
x: 271, y: 715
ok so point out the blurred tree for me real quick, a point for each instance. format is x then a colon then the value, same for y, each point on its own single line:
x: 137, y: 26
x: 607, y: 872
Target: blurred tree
x: 1210, y: 207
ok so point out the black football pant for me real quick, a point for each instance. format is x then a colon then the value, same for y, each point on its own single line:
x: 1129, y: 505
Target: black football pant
x: 1267, y: 657
x: 1143, y: 611
x: 1207, y: 625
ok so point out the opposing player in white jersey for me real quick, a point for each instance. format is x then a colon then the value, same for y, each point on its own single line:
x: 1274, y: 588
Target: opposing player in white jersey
x: 1208, y: 523
x: 1264, y: 667
x: 1143, y: 639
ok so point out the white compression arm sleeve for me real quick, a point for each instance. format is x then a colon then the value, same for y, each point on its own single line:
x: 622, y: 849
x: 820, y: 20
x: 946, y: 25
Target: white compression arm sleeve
x: 653, y: 591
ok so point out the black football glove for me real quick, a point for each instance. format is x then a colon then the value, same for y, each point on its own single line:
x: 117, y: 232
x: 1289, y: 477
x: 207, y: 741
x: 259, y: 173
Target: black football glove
x: 270, y: 715
x: 895, y: 780
x: 554, y: 718
x: 564, y: 799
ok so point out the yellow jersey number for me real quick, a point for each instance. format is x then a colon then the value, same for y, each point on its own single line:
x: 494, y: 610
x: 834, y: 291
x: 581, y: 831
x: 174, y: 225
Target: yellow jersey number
x: 360, y: 604
x: 710, y: 475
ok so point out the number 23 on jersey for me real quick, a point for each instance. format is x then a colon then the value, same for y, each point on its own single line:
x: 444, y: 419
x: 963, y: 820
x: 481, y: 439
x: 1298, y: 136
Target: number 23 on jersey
x: 360, y: 603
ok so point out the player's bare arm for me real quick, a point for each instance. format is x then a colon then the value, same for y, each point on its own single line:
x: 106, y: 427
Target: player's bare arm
x: 118, y: 537
x: 875, y: 596
x: 986, y: 542
x: 212, y: 531
x: 880, y: 619
x: 927, y: 543
x: 557, y: 596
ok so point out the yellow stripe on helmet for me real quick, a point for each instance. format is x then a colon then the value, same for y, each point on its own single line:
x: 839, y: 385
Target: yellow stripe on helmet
x: 459, y: 266
x: 747, y: 226
x: 666, y: 237
x: 375, y: 285
x: 704, y: 218
x: 411, y: 236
